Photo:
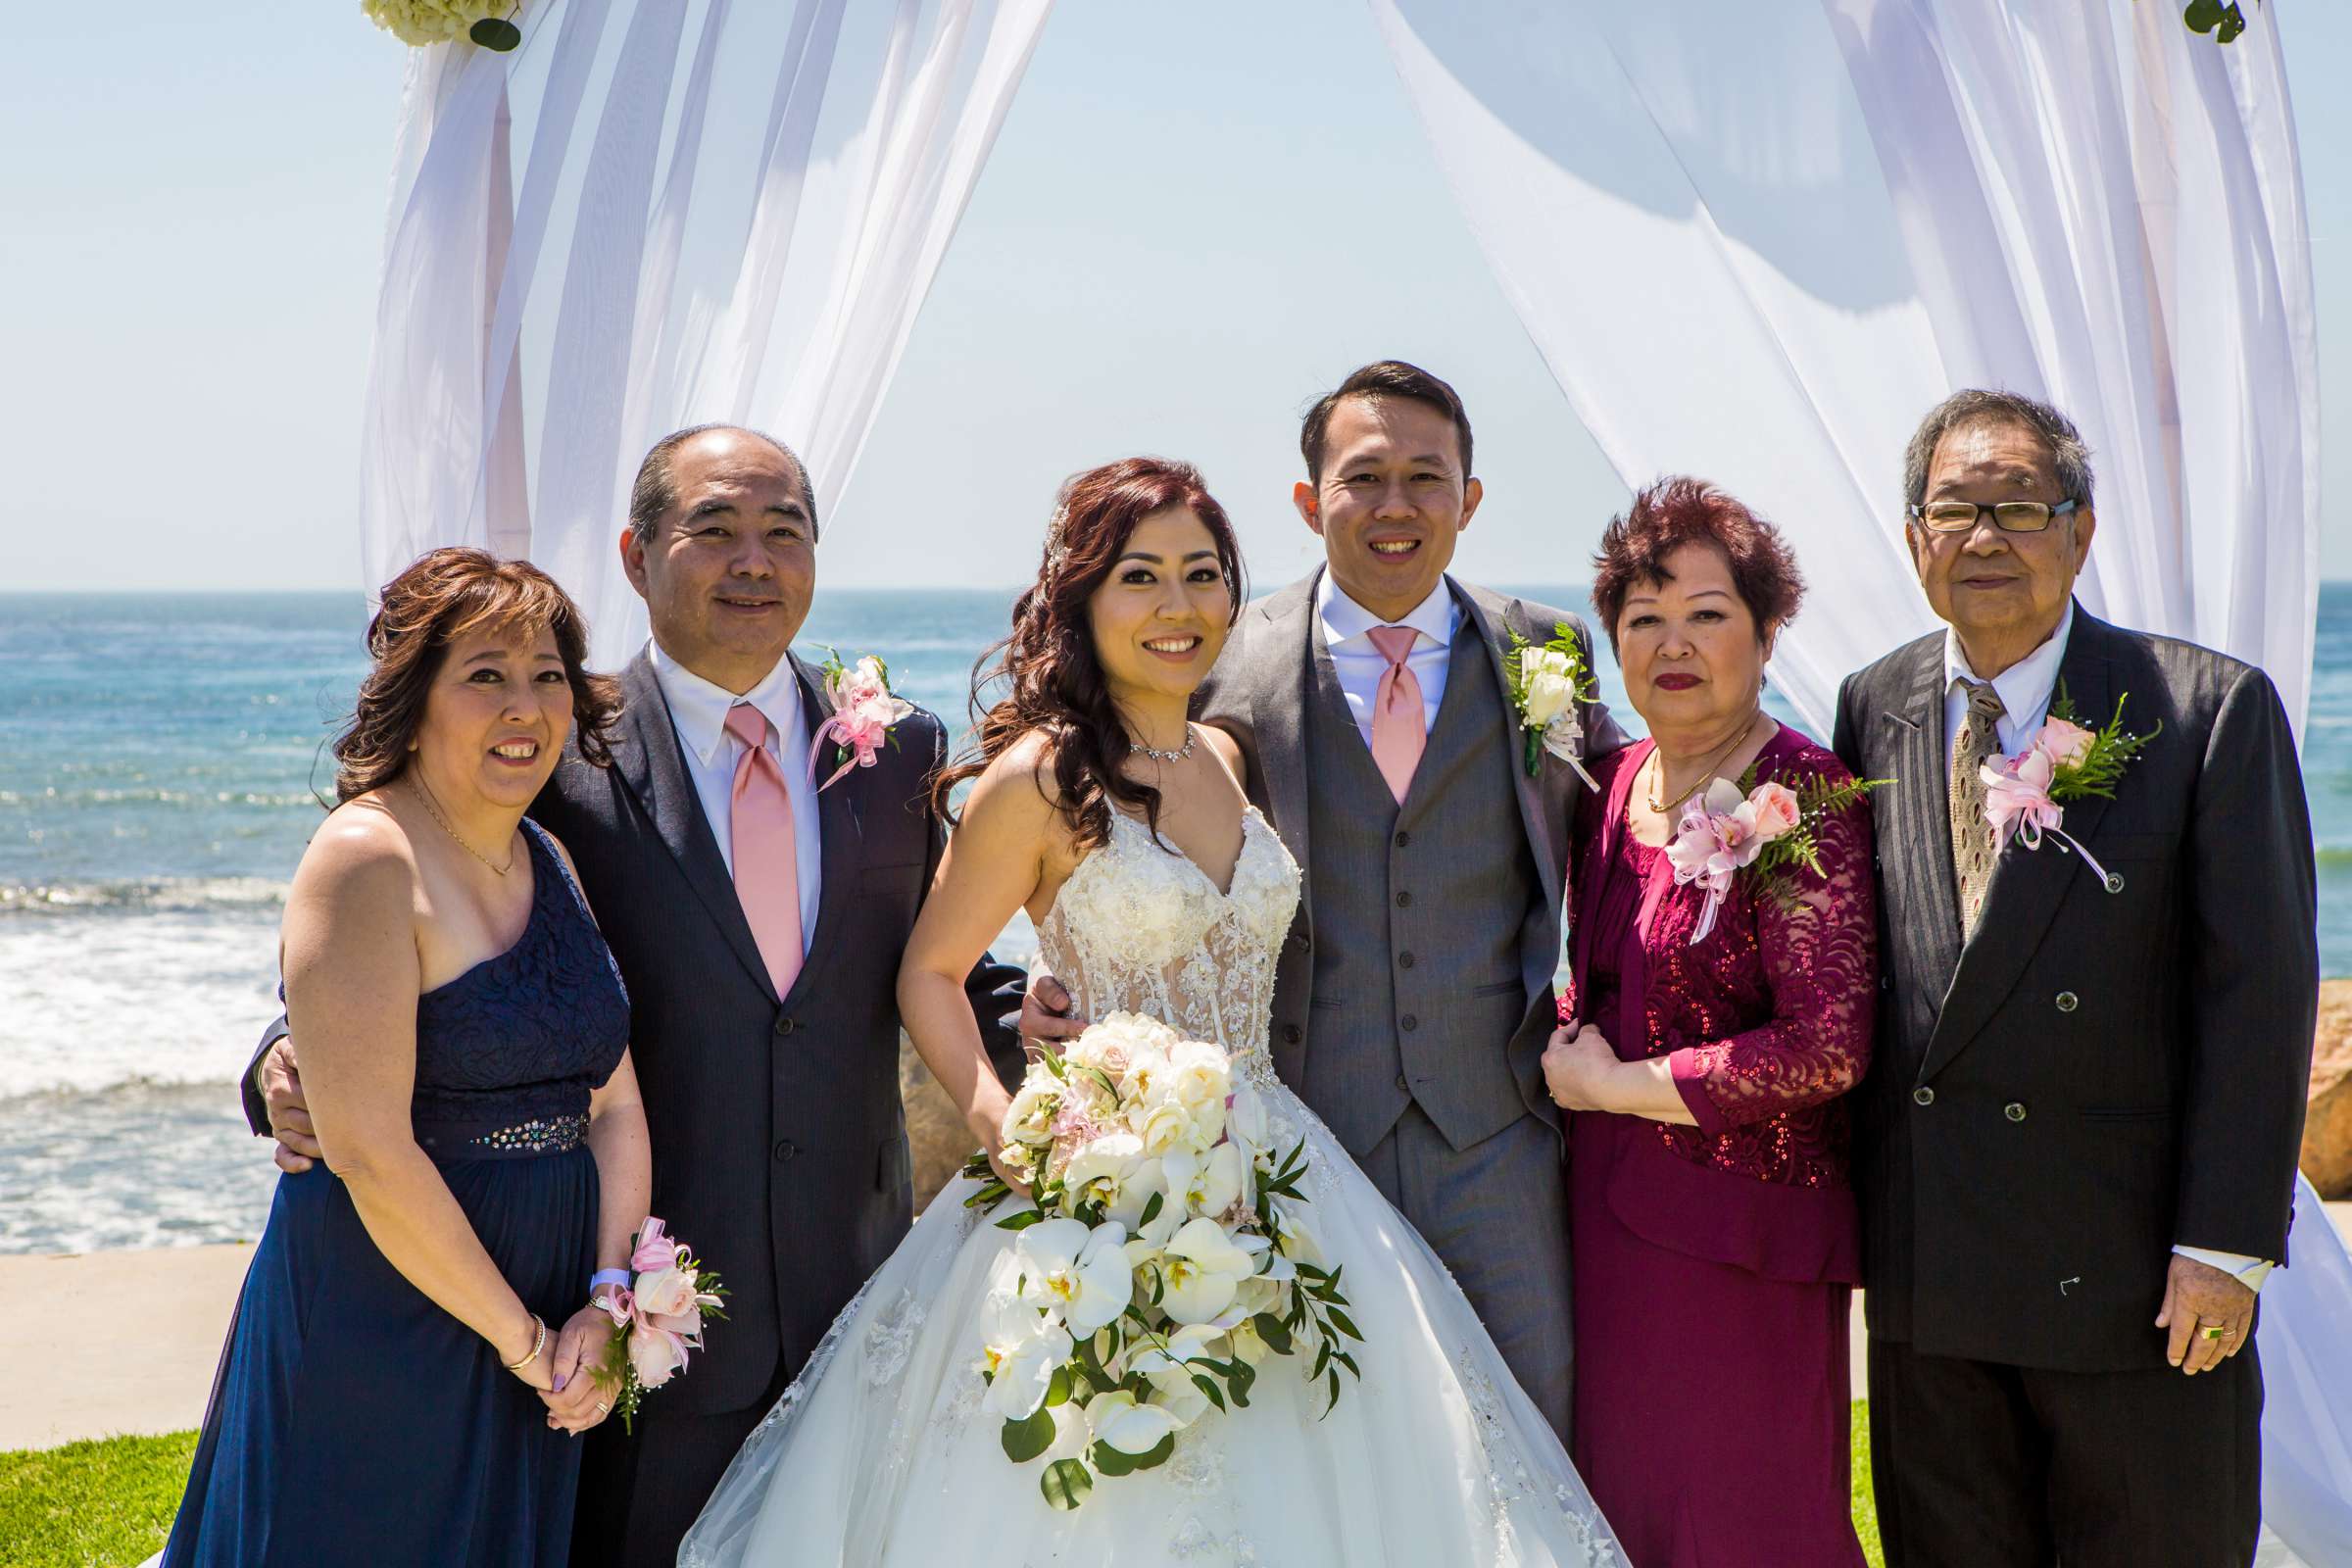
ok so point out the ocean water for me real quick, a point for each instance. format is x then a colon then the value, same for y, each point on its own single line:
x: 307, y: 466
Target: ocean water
x: 162, y: 764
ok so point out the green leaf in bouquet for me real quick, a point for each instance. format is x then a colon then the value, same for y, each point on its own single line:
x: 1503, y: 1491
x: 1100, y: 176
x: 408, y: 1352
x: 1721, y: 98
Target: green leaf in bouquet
x: 1345, y: 1324
x: 1021, y: 1220
x: 1240, y: 1375
x: 1057, y: 1391
x: 1322, y: 1359
x: 1024, y: 1441
x: 1209, y: 1389
x: 1151, y: 1210
x: 1065, y: 1483
x: 1116, y: 1462
x: 1273, y: 1331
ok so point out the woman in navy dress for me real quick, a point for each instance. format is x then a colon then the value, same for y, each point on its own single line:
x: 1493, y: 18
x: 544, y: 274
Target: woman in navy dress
x: 409, y: 1362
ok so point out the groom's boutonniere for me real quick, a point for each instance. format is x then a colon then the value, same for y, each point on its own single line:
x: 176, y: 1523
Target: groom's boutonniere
x: 1548, y: 681
x: 2026, y: 795
x: 865, y: 714
x: 1761, y: 829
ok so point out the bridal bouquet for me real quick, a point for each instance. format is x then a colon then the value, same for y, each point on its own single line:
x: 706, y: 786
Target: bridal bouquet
x: 1165, y: 1255
x: 660, y: 1315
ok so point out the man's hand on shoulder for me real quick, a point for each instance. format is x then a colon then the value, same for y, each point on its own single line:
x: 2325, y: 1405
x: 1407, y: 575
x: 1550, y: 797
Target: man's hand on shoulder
x: 280, y: 1080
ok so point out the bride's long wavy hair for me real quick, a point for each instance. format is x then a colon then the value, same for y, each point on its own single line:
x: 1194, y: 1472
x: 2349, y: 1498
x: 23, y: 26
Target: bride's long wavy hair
x: 1049, y: 661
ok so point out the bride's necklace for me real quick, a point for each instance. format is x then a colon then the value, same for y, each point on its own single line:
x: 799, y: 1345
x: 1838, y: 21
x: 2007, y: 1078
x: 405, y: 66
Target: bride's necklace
x: 1182, y: 754
x: 433, y: 807
x: 1658, y: 780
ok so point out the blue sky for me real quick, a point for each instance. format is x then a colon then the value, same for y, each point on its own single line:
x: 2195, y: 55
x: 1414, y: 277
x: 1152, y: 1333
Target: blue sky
x: 1198, y: 218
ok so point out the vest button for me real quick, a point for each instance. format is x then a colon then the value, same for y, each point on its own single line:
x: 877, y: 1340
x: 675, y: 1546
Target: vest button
x: 1404, y: 901
x: 2068, y: 1002
x: 784, y: 1023
x: 1408, y: 1024
x: 786, y: 1149
x: 1923, y: 1096
x: 1403, y: 839
x: 1290, y: 1034
x: 2015, y: 1110
x: 1404, y: 960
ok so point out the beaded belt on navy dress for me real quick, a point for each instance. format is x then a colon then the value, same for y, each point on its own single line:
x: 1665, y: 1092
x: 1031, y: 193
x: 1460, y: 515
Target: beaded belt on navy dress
x: 541, y: 1135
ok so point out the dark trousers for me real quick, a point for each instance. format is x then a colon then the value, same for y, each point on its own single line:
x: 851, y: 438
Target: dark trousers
x: 1976, y: 1464
x: 638, y: 1495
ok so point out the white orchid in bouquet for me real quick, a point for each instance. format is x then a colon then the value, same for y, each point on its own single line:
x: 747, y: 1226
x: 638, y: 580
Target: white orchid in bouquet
x: 1163, y: 1255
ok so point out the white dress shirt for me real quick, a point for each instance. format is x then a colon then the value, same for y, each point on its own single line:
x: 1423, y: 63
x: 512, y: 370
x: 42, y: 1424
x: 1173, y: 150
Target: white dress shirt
x: 2027, y: 689
x: 698, y: 711
x: 1346, y: 633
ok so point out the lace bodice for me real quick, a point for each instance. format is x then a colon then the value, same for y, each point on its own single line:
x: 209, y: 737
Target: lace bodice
x: 1140, y: 928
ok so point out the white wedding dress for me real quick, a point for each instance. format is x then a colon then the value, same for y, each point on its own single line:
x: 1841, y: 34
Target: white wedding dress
x: 881, y: 1453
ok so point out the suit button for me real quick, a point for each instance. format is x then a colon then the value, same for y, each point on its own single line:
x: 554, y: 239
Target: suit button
x: 1923, y: 1096
x: 784, y: 1024
x: 1408, y: 1024
x: 786, y: 1149
x: 1404, y: 840
x: 2015, y: 1110
x: 1290, y: 1034
x: 1404, y: 960
x: 1885, y: 982
x: 1404, y: 901
x: 1401, y: 1083
x: 2068, y: 1002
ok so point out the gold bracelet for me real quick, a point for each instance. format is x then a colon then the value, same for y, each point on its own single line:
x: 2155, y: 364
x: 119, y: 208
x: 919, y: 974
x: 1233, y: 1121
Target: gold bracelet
x: 537, y: 1345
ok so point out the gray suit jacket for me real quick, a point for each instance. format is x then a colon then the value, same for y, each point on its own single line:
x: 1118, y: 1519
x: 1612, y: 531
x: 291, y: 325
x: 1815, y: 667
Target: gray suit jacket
x: 1258, y: 694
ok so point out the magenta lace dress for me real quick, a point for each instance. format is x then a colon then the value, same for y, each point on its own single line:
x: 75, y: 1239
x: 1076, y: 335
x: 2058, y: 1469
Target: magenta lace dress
x: 1713, y: 1264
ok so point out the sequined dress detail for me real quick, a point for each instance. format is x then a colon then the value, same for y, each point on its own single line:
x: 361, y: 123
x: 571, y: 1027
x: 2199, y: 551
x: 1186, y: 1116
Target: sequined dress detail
x: 881, y: 1454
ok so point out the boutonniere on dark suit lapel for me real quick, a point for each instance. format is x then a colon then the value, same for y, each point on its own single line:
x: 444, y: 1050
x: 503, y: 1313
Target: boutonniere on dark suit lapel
x: 1548, y: 682
x: 865, y: 714
x: 2026, y: 795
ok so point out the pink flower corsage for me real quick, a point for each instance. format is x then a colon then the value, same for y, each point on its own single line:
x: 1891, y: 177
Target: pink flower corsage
x: 2025, y: 794
x: 865, y: 711
x: 659, y: 1316
x: 1762, y: 827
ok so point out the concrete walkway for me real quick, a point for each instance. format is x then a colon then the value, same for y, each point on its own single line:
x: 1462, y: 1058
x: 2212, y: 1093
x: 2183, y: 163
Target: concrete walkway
x: 146, y: 1329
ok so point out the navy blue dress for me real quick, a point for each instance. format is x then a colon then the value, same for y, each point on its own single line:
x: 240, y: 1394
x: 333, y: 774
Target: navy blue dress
x: 353, y: 1420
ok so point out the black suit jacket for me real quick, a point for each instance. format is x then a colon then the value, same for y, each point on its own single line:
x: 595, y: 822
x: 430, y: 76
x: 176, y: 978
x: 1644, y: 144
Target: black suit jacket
x: 778, y: 1139
x: 2095, y: 1075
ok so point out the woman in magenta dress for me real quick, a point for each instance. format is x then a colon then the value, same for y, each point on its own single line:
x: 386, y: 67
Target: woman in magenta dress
x: 1711, y: 1220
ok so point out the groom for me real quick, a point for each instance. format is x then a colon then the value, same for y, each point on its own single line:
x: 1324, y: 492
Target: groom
x: 757, y: 925
x: 2076, y: 1148
x: 1413, y: 994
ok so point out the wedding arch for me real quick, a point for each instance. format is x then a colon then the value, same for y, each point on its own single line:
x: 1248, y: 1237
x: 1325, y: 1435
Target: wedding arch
x: 1749, y: 241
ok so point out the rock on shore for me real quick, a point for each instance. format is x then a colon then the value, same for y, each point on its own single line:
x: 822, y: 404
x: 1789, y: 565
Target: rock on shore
x: 2328, y: 1123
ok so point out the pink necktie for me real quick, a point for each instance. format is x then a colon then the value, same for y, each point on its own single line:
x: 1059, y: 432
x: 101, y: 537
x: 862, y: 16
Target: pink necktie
x: 1398, y: 730
x: 767, y: 879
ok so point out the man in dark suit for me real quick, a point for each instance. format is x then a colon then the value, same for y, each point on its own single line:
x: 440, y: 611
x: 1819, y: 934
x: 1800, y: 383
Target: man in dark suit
x: 764, y: 1012
x: 2076, y: 1148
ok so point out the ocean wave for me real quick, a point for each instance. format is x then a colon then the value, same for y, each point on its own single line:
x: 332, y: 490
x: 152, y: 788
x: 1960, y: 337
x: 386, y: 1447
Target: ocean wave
x: 157, y: 895
x: 53, y: 797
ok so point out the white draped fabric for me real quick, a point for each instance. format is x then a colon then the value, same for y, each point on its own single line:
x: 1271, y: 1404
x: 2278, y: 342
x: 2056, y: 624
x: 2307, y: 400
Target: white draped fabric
x: 654, y: 215
x: 1757, y: 242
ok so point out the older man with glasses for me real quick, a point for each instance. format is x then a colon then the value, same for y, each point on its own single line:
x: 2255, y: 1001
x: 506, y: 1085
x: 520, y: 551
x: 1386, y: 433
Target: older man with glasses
x: 2076, y: 1148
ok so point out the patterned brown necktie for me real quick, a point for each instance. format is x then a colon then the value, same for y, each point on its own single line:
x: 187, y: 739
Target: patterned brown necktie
x: 1977, y: 742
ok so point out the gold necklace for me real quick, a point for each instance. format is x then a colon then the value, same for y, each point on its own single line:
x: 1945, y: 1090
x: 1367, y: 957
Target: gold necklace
x: 431, y: 805
x: 1705, y: 778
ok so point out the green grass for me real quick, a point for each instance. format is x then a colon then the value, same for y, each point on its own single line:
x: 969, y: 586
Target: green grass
x: 109, y: 1503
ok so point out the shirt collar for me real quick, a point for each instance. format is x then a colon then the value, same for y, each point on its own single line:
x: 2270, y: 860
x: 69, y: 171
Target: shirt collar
x: 699, y: 708
x: 2025, y: 687
x: 1344, y: 622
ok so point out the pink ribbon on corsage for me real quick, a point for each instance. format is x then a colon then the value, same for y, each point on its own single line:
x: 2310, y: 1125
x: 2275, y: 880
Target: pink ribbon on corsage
x: 2016, y: 792
x: 1720, y: 836
x: 863, y: 711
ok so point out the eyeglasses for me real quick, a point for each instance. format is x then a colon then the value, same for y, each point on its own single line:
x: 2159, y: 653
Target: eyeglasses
x: 2010, y: 517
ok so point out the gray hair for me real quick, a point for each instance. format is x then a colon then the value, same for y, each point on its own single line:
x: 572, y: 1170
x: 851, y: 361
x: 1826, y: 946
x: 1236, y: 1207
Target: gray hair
x: 657, y: 488
x: 1980, y: 406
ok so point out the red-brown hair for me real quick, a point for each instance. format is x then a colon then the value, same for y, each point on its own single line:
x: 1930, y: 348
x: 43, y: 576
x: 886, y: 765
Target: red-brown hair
x: 1681, y: 510
x: 444, y: 594
x: 1050, y: 660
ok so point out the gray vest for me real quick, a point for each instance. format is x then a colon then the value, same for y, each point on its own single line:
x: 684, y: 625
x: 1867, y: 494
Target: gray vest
x: 1419, y: 916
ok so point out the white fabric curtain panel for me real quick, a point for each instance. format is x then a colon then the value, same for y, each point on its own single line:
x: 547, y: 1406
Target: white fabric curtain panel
x: 1756, y: 243
x: 655, y: 214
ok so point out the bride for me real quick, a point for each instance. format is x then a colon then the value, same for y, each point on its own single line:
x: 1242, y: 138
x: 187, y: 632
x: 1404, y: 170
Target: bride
x: 1157, y: 890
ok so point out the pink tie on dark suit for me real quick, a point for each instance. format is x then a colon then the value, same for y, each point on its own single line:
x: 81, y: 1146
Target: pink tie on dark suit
x: 767, y: 879
x: 1400, y: 731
